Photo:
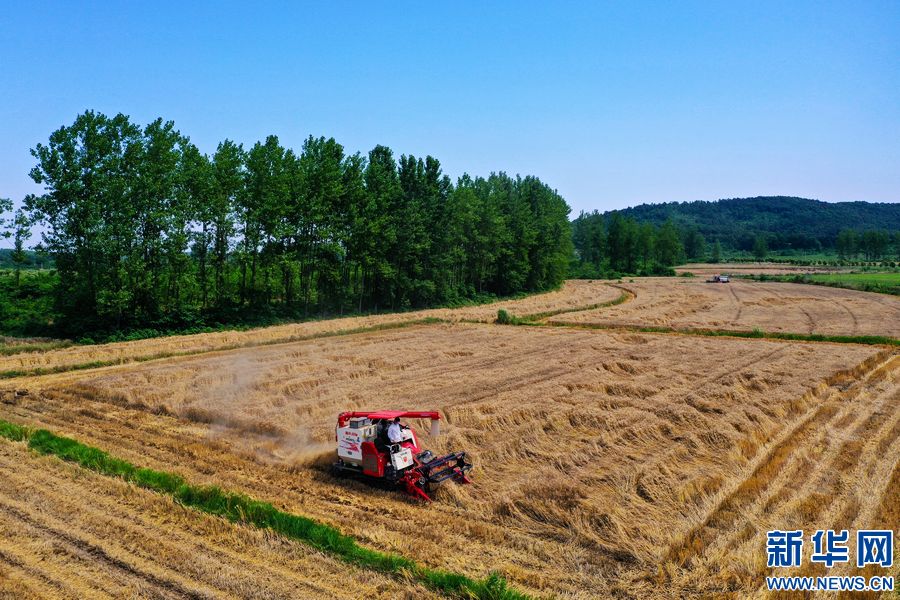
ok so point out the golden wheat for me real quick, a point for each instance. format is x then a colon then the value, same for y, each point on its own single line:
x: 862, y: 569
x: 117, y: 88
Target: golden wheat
x: 605, y: 462
x: 575, y: 293
x: 747, y: 305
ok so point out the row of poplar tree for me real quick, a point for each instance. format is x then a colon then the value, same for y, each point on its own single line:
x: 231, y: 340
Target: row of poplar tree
x: 873, y: 244
x: 612, y: 244
x: 145, y: 229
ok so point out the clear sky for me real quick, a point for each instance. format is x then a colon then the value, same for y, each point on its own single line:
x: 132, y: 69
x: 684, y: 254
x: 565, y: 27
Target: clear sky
x: 613, y: 104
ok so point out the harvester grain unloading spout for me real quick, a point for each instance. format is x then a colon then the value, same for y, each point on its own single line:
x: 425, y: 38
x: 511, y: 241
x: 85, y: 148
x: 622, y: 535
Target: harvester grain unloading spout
x: 365, y: 450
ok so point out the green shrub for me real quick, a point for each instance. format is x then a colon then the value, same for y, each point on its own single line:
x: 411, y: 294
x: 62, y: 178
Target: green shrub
x: 505, y: 318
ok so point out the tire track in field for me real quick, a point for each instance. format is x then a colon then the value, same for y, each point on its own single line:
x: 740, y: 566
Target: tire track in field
x: 852, y: 316
x: 740, y: 305
x: 84, y: 551
x: 183, y: 542
x: 810, y: 321
x: 31, y: 576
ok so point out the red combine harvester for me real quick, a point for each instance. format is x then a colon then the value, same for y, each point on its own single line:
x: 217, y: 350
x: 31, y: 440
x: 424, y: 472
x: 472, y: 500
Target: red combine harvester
x: 364, y: 451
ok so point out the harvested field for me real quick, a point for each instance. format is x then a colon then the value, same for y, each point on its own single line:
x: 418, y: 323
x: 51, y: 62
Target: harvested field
x: 757, y: 268
x: 746, y: 305
x: 574, y: 294
x: 606, y: 462
x: 67, y: 533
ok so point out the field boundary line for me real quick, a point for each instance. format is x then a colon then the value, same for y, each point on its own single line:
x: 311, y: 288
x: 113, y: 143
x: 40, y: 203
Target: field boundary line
x: 58, y: 344
x: 626, y: 295
x: 99, y: 364
x: 504, y: 317
x: 884, y: 290
x: 871, y: 340
x: 242, y: 509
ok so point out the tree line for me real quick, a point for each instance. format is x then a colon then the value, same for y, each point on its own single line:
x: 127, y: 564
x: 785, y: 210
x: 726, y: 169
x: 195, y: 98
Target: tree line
x: 607, y: 245
x: 873, y: 244
x: 616, y: 243
x: 147, y: 231
x: 786, y: 224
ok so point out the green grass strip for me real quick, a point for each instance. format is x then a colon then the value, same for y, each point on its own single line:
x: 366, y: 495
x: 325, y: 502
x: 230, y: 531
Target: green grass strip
x: 506, y: 318
x: 625, y: 296
x: 96, y: 364
x: 239, y: 508
x: 13, y: 432
x: 11, y: 349
x: 872, y: 340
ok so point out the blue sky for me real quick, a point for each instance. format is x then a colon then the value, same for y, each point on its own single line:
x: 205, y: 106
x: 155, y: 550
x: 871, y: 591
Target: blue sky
x: 613, y: 104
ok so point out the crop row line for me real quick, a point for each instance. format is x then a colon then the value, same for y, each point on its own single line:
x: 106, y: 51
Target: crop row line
x: 239, y: 508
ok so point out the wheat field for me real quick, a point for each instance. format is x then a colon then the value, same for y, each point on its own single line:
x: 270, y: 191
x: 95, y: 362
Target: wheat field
x: 746, y: 305
x: 607, y: 463
x: 573, y: 294
x: 755, y: 268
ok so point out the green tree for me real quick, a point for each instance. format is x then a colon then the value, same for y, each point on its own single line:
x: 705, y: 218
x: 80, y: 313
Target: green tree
x: 589, y: 239
x: 716, y: 255
x: 228, y: 188
x: 518, y: 235
x: 874, y: 243
x: 21, y: 231
x: 414, y: 241
x: 621, y: 243
x: 158, y: 263
x: 197, y: 187
x: 17, y: 227
x: 147, y: 231
x: 760, y: 247
x: 645, y: 235
x: 846, y: 244
x: 383, y: 192
x: 262, y: 210
x: 6, y: 206
x: 694, y: 244
x: 92, y: 216
x: 355, y: 229
x: 668, y: 245
x: 321, y: 219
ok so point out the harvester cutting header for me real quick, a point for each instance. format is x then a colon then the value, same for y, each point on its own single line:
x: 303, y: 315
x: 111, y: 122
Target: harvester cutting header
x: 378, y: 446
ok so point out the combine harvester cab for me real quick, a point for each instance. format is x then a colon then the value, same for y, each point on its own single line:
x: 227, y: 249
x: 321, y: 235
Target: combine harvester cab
x: 364, y: 451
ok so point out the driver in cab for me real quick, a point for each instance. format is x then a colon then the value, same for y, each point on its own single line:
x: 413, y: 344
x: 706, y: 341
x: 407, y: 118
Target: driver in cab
x: 395, y: 432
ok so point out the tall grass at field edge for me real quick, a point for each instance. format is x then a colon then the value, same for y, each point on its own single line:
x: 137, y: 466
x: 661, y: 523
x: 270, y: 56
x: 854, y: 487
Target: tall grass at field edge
x: 239, y: 508
x: 36, y: 347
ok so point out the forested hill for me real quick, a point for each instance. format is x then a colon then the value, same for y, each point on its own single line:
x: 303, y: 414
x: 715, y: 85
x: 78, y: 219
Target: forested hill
x: 785, y: 222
